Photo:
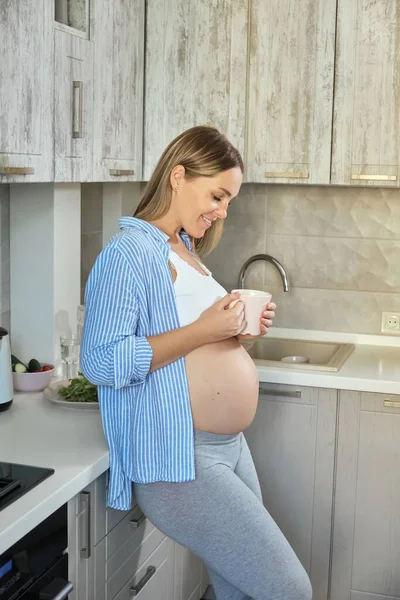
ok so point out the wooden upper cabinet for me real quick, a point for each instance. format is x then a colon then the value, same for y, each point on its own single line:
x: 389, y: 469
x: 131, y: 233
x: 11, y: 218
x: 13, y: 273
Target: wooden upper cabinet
x: 290, y: 91
x: 118, y: 36
x: 366, y: 126
x: 196, y: 59
x: 26, y: 91
x: 73, y: 108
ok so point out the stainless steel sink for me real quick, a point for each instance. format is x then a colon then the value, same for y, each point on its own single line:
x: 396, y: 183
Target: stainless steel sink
x: 321, y: 356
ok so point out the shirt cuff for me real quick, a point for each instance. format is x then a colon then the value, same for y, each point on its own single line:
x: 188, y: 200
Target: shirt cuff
x: 132, y: 360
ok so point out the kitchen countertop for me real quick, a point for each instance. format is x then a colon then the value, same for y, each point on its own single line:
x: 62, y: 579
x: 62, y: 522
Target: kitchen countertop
x: 34, y: 431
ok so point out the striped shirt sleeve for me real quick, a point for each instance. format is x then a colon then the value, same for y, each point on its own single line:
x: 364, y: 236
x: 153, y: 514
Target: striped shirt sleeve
x: 111, y: 353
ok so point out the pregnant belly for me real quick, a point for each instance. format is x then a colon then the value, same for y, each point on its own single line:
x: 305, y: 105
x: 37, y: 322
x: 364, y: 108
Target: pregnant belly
x: 223, y: 386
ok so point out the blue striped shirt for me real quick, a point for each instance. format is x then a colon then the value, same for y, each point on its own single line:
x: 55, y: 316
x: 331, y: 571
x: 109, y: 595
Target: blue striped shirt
x: 146, y: 416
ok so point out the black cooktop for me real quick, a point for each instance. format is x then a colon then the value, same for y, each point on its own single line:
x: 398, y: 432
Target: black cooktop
x: 16, y: 480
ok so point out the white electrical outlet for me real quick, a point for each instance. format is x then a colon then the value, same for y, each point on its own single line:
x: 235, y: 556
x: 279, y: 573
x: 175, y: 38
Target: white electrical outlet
x: 390, y: 323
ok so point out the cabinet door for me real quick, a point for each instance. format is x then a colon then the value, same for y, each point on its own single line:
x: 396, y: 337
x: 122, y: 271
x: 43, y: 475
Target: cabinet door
x: 366, y: 527
x: 366, y: 126
x: 196, y: 57
x: 118, y: 27
x: 80, y: 546
x: 188, y: 574
x: 292, y: 441
x: 73, y: 108
x: 290, y: 91
x: 26, y: 91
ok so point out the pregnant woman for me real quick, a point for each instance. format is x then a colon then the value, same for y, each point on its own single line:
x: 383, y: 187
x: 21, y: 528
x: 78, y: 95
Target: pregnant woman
x: 176, y: 388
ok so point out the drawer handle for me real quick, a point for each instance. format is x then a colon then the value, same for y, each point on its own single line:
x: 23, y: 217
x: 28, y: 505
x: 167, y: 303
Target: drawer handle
x: 61, y: 594
x: 16, y: 171
x: 85, y: 548
x: 356, y: 176
x: 122, y: 172
x: 136, y: 523
x: 77, y: 109
x: 281, y: 394
x: 392, y: 403
x: 134, y: 590
x: 288, y: 175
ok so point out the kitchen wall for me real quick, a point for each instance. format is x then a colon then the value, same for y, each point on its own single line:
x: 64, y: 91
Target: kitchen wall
x: 4, y: 257
x: 127, y: 196
x: 339, y: 246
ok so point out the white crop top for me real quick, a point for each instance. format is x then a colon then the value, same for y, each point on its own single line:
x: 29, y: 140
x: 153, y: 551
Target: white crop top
x: 194, y: 292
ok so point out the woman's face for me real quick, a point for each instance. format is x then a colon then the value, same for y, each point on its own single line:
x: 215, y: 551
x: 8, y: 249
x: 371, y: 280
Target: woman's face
x: 199, y: 202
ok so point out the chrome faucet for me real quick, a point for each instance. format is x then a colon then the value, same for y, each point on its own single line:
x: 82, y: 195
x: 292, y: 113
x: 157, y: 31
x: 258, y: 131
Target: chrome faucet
x: 267, y: 258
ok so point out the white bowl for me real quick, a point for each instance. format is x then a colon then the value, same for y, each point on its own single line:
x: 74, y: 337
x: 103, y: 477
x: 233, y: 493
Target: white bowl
x: 295, y: 359
x: 32, y: 382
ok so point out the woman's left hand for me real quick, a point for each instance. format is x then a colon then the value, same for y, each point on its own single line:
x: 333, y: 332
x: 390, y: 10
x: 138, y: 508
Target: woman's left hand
x: 266, y: 323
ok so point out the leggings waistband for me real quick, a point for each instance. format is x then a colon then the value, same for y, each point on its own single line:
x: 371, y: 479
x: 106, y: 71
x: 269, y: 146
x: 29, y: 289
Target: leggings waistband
x: 204, y: 437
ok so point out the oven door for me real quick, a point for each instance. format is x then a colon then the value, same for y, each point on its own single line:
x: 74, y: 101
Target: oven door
x: 52, y: 585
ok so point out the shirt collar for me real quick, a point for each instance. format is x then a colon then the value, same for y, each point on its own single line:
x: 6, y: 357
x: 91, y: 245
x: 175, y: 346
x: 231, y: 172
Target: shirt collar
x: 155, y: 232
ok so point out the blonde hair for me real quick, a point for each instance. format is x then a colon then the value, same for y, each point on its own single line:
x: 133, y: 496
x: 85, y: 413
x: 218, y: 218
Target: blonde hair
x: 203, y: 152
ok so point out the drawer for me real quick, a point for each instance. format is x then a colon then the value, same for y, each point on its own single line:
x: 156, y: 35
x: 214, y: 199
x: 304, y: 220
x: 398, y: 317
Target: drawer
x: 125, y: 562
x: 125, y: 538
x: 382, y: 403
x: 113, y: 516
x: 154, y: 579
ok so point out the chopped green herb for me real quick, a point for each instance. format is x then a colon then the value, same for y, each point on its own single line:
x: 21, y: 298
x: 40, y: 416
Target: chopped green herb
x: 79, y: 390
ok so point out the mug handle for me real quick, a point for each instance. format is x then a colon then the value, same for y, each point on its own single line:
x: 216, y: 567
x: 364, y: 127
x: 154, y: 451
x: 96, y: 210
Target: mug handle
x: 234, y: 302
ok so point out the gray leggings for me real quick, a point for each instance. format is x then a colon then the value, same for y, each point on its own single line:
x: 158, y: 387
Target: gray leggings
x: 221, y: 518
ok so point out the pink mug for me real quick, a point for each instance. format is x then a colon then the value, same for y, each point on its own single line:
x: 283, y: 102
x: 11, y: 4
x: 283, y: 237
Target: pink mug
x: 255, y: 302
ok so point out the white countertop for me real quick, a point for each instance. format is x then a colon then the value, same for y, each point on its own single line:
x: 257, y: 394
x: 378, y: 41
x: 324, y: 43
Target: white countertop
x: 35, y: 432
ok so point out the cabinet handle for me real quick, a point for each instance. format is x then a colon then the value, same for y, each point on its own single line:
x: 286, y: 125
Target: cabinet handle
x: 392, y: 403
x: 356, y: 176
x: 16, y: 171
x: 85, y: 500
x: 122, y: 172
x: 134, y: 591
x: 61, y: 595
x: 77, y: 109
x: 281, y: 394
x: 136, y: 523
x: 288, y: 175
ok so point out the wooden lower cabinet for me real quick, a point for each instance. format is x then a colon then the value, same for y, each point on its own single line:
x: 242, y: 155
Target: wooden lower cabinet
x: 292, y: 440
x: 366, y: 524
x: 80, y: 546
x: 117, y: 555
x: 191, y: 577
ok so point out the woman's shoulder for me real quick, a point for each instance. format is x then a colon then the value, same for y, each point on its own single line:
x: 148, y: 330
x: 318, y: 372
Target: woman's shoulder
x: 134, y: 245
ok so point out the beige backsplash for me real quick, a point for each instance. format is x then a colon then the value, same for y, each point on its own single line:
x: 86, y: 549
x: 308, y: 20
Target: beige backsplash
x: 91, y: 228
x: 339, y: 246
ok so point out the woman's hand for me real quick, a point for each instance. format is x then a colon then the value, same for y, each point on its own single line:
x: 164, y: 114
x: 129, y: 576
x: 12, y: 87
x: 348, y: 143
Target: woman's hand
x: 266, y: 323
x: 220, y: 321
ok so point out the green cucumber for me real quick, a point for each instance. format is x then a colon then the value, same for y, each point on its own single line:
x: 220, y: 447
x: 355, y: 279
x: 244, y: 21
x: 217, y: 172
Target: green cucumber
x: 19, y: 368
x: 34, y: 365
x: 15, y: 360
